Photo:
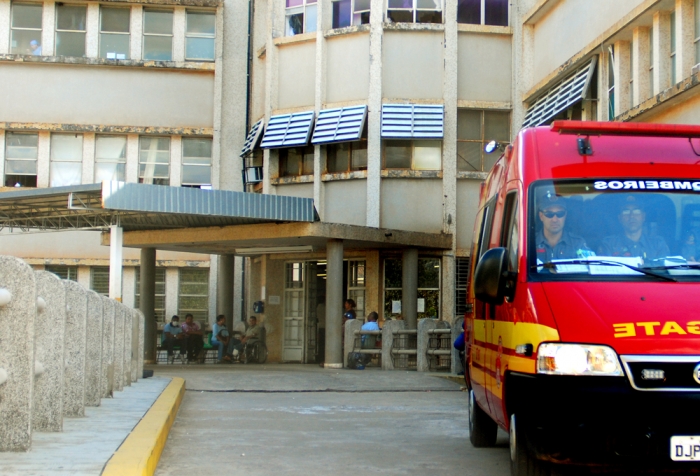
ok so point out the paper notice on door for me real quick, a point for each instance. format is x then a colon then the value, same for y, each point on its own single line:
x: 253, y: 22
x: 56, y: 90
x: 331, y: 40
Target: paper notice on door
x: 421, y: 305
x: 396, y: 307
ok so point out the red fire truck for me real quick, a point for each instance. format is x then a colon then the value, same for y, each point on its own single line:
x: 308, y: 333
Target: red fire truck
x: 584, y: 337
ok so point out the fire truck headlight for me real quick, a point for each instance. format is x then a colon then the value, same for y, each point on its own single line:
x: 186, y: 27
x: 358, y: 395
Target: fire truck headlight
x: 577, y: 359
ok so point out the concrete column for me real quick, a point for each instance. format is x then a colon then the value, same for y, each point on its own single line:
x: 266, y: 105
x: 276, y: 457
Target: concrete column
x: 603, y: 99
x: 409, y: 287
x: 48, y: 28
x: 423, y: 339
x: 640, y: 66
x: 43, y: 162
x: 176, y: 161
x: 334, y: 300
x: 147, y: 292
x: 388, y: 342
x: 92, y: 33
x: 324, y: 22
x: 93, y: 361
x: 622, y: 77
x: 662, y: 51
x: 224, y: 288
x: 179, y: 26
x: 374, y: 115
x: 448, y: 268
x: 116, y: 239
x: 136, y: 32
x: 132, y: 158
x: 2, y: 155
x: 107, y: 368
x: 128, y: 344
x: 75, y: 350
x: 119, y: 325
x: 4, y: 27
x: 275, y: 28
x: 685, y: 36
x: 88, y: 172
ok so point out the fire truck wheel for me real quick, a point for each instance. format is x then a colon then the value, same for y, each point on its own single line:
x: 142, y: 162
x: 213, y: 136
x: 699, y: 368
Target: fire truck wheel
x: 522, y: 461
x: 482, y: 429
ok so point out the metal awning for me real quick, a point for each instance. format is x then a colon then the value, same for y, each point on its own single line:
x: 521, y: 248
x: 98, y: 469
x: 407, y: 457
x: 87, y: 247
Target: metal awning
x: 413, y: 121
x: 343, y: 124
x: 135, y: 206
x: 288, y: 130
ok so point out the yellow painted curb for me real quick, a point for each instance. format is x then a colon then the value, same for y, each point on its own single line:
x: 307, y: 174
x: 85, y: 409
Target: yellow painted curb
x: 140, y: 452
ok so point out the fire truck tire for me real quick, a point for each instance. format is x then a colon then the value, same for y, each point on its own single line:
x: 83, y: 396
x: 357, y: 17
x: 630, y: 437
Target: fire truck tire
x: 482, y: 429
x: 522, y: 461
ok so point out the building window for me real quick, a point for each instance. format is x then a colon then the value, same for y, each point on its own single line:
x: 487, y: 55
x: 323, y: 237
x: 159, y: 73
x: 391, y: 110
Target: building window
x: 26, y: 28
x: 20, y: 159
x: 697, y: 32
x: 428, y: 287
x: 350, y: 12
x: 63, y: 272
x: 154, y: 160
x: 70, y: 30
x: 295, y: 161
x: 461, y: 277
x: 412, y: 154
x: 414, y: 11
x: 158, y: 35
x: 611, y: 84
x: 114, y: 32
x: 356, y: 286
x: 196, y: 162
x: 483, y: 12
x: 651, y: 62
x: 346, y: 157
x: 110, y: 158
x: 200, y: 35
x: 66, y: 159
x: 193, y: 293
x: 673, y: 48
x: 159, y: 302
x: 300, y: 17
x: 475, y: 129
x: 631, y: 91
x: 99, y: 279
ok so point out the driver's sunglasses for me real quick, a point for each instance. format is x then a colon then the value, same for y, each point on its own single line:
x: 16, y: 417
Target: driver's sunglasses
x: 559, y: 214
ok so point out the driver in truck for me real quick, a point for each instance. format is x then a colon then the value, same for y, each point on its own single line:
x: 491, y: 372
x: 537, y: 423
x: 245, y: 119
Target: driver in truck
x: 553, y: 241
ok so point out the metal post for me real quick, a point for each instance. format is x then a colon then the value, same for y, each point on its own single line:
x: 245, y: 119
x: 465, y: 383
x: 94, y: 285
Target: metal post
x: 148, y: 298
x: 334, y: 305
x: 224, y: 288
x: 409, y: 288
x: 116, y: 239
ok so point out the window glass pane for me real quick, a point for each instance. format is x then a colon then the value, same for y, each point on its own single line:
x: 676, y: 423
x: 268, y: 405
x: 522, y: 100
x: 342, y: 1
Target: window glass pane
x: 155, y: 149
x: 496, y: 12
x: 202, y: 23
x: 429, y: 273
x: 489, y: 160
x: 342, y: 15
x: 110, y: 171
x: 397, y: 154
x: 359, y: 155
x: 429, y: 4
x: 70, y: 17
x: 469, y: 11
x: 427, y: 155
x: 469, y: 156
x: 67, y: 147
x: 307, y: 166
x: 196, y: 148
x: 147, y: 172
x: 295, y: 3
x: 99, y: 279
x: 468, y: 124
x: 70, y: 43
x: 158, y: 22
x: 496, y: 126
x: 193, y: 293
x: 295, y: 22
x: 63, y: 272
x: 111, y: 148
x: 310, y: 19
x: 114, y: 46
x: 428, y: 17
x: 26, y: 42
x: 65, y: 173
x: 115, y: 20
x: 400, y: 3
x: 290, y: 161
x: 200, y: 48
x: 21, y: 145
x: 20, y: 167
x: 196, y: 175
x: 337, y: 157
x: 26, y: 15
x: 392, y: 273
x: 158, y: 48
x: 400, y: 16
x: 362, y: 5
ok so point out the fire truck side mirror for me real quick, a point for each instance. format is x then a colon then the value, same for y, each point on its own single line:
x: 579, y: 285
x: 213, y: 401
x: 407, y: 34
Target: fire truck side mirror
x: 490, y: 276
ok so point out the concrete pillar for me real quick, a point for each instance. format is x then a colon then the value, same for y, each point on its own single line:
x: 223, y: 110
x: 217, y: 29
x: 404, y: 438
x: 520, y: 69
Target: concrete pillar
x: 141, y: 343
x: 603, y: 97
x: 93, y: 363
x: 75, y: 350
x: 17, y: 311
x: 388, y: 341
x: 224, y: 288
x: 622, y: 77
x: 107, y: 372
x: 409, y: 287
x: 148, y: 292
x: 118, y: 382
x: 334, y: 301
x: 128, y: 333
x: 640, y: 66
x: 135, y: 344
x: 4, y: 27
x: 116, y: 240
x: 350, y: 327
x: 685, y: 36
x: 374, y: 114
x: 50, y: 323
x: 662, y: 50
x: 423, y: 339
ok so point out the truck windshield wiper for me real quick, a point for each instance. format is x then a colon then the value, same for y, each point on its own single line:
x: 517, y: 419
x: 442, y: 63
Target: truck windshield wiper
x: 550, y: 265
x: 676, y: 266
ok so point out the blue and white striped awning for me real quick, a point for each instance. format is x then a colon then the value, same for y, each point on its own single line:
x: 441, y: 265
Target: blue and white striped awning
x: 253, y: 137
x: 561, y: 96
x: 413, y: 121
x: 288, y: 130
x: 343, y: 124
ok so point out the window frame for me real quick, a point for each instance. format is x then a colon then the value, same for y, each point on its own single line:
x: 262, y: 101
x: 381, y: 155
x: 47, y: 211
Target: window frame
x: 13, y: 29
x: 413, y: 154
x: 211, y: 36
x: 69, y: 273
x: 353, y: 12
x: 183, y: 163
x: 285, y: 157
x: 121, y: 161
x: 156, y: 180
x: 387, y: 289
x: 8, y: 158
x: 164, y: 35
x: 101, y: 31
x: 414, y: 9
x: 357, y: 285
x: 483, y: 140
x: 99, y: 272
x: 349, y: 167
x: 673, y: 48
x: 199, y: 314
x: 53, y: 161
x: 305, y: 4
x: 58, y: 30
x: 482, y: 15
x: 696, y: 35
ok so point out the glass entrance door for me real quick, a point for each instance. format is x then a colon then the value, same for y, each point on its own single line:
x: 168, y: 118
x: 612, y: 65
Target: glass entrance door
x: 294, y: 307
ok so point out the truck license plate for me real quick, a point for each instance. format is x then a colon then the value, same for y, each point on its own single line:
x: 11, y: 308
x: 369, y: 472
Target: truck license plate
x: 685, y: 448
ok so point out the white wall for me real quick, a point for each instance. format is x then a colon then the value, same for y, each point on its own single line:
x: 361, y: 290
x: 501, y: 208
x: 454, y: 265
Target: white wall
x: 345, y: 202
x: 413, y: 64
x: 347, y: 76
x: 412, y: 204
x: 297, y: 73
x: 484, y: 68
